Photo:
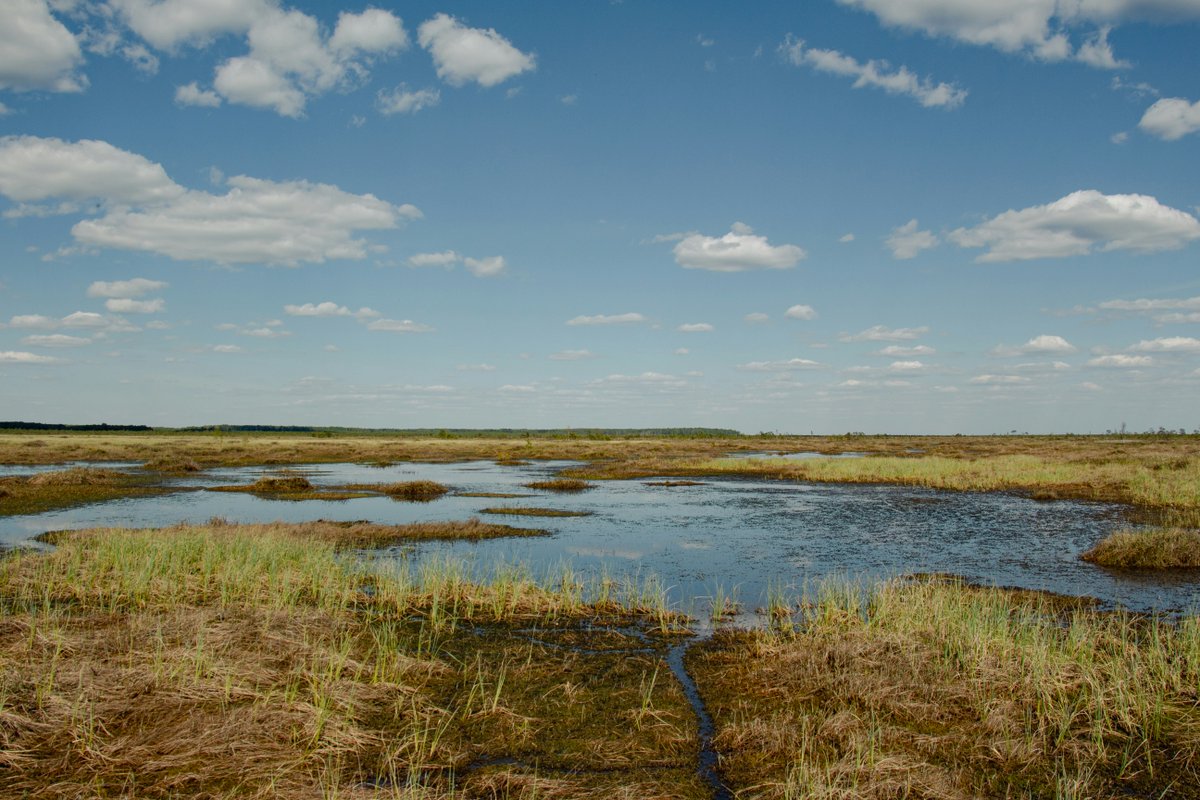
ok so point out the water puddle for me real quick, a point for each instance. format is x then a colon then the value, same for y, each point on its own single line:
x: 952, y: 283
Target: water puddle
x: 728, y: 537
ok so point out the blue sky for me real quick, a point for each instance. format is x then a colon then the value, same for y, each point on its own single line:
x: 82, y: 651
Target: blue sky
x: 843, y: 215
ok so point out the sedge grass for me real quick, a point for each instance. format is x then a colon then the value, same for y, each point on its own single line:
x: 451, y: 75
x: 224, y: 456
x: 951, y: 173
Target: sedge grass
x: 936, y: 689
x: 1152, y: 548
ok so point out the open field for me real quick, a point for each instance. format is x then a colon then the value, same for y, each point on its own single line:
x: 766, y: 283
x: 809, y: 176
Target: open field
x: 265, y: 661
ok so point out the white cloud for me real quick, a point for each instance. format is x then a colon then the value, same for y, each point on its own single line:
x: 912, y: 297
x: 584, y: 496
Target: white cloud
x: 1169, y: 344
x: 997, y: 380
x: 646, y: 378
x: 55, y: 340
x: 265, y: 333
x: 1171, y: 118
x: 126, y: 305
x: 85, y: 319
x: 33, y: 168
x: 1044, y: 343
x: 135, y: 287
x: 33, y: 321
x: 1039, y: 29
x: 680, y: 351
x: 880, y: 333
x: 569, y: 99
x: 801, y: 312
x: 907, y: 366
x: 399, y: 326
x: 226, y: 348
x: 1091, y: 387
x: 607, y: 319
x: 846, y: 239
x: 695, y: 327
x: 190, y: 94
x: 37, y: 52
x: 463, y: 54
x: 1121, y: 361
x: 906, y: 241
x: 875, y: 73
x: 16, y: 357
x: 1143, y: 305
x: 255, y: 221
x: 329, y: 309
x: 476, y: 368
x: 1080, y: 223
x: 737, y: 251
x: 511, y: 388
x: 755, y: 317
x: 445, y: 259
x: 401, y: 101
x: 897, y: 351
x: 780, y: 366
x: 485, y: 267
x: 289, y: 59
x: 572, y: 355
x: 1120, y: 137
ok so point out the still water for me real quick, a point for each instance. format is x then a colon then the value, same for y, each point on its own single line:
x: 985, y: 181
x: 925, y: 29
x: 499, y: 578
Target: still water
x: 734, y: 536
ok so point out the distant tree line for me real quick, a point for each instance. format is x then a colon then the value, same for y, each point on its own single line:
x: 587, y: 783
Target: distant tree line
x: 56, y: 426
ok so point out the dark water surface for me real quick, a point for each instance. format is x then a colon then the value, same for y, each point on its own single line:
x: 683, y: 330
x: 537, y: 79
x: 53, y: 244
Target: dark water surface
x: 734, y: 536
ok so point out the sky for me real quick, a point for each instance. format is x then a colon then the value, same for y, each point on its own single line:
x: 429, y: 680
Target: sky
x: 887, y: 216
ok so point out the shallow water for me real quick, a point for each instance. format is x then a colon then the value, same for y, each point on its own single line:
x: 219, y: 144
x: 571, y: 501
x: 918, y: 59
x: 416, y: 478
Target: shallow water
x: 739, y: 536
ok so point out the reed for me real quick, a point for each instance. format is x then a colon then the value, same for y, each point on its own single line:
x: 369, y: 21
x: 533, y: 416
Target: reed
x: 1150, y: 548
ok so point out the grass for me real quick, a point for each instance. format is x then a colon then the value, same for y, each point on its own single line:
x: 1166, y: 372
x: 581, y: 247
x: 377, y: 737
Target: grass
x: 560, y: 485
x: 937, y: 689
x: 1152, y: 548
x: 413, y: 491
x: 674, y: 483
x: 533, y: 511
x: 52, y: 490
x: 495, y: 495
x: 230, y: 661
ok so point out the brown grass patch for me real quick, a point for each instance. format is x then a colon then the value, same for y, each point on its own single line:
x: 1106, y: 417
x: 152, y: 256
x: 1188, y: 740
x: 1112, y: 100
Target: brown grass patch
x: 1155, y: 548
x: 419, y: 491
x: 173, y: 464
x: 561, y: 485
x: 674, y: 483
x: 533, y: 511
x: 79, y: 476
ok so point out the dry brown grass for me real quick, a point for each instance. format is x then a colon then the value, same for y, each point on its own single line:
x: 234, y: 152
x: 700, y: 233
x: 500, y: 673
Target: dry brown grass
x: 414, y: 491
x: 71, y: 487
x: 79, y: 476
x: 533, y: 511
x: 560, y: 485
x: 936, y: 690
x: 1154, y: 548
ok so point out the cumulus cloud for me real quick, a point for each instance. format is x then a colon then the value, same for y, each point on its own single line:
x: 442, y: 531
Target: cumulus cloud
x: 190, y: 94
x: 1163, y: 311
x: 907, y: 241
x: 737, y: 251
x: 1171, y: 118
x: 801, y: 312
x: 755, y: 317
x: 142, y: 209
x: 226, y: 348
x: 289, y: 58
x: 33, y: 321
x: 572, y: 355
x: 881, y: 333
x: 17, y: 357
x: 1080, y: 223
x: 485, y: 267
x: 1169, y: 344
x: 898, y: 351
x: 329, y: 309
x: 55, y: 340
x: 876, y: 73
x: 135, y: 287
x: 447, y: 259
x: 695, y: 327
x: 1040, y: 29
x: 1121, y: 361
x: 607, y: 319
x: 37, y: 52
x: 402, y: 101
x: 462, y: 54
x: 399, y: 326
x: 780, y: 366
x: 126, y: 305
x: 907, y: 366
x: 1044, y: 343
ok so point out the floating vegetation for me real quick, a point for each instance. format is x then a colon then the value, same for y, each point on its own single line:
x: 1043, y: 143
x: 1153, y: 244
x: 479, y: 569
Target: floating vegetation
x: 561, y: 485
x: 534, y: 511
x: 1152, y: 548
x: 674, y: 483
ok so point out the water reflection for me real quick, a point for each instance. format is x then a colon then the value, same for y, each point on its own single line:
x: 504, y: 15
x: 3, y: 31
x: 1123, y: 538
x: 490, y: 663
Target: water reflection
x: 731, y: 534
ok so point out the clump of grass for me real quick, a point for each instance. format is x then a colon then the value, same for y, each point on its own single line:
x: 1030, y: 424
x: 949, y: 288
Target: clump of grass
x: 420, y: 491
x: 294, y: 487
x: 534, y: 511
x: 1153, y: 548
x: 560, y: 485
x: 173, y: 464
x: 79, y: 476
x: 281, y: 484
x: 674, y: 483
x: 495, y: 495
x: 932, y: 688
